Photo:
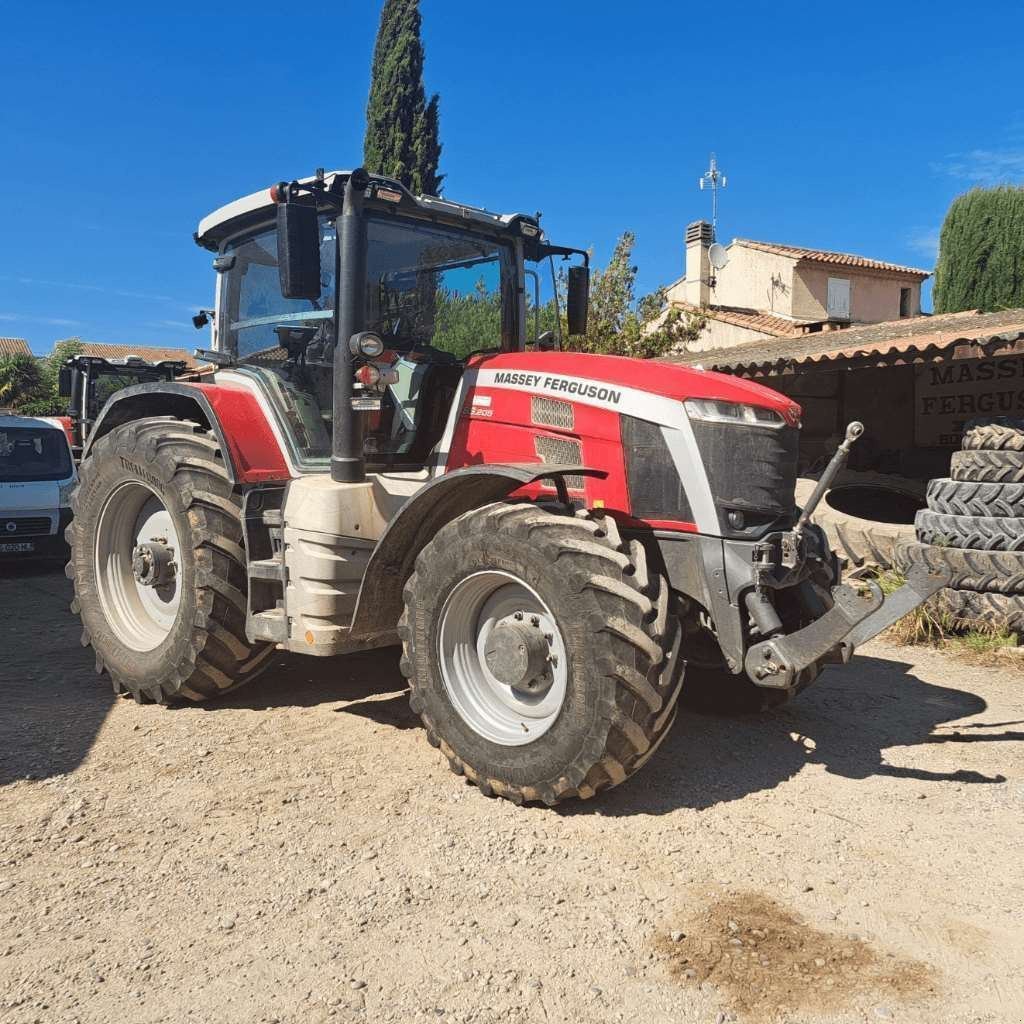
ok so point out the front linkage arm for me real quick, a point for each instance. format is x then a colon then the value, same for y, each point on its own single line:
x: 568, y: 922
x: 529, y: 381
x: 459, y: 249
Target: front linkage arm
x: 860, y: 612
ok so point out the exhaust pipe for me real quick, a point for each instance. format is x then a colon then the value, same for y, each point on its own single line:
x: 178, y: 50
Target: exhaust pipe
x: 347, y: 463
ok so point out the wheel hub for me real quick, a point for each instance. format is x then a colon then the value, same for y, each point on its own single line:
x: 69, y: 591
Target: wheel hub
x: 503, y: 658
x: 517, y: 654
x: 153, y: 564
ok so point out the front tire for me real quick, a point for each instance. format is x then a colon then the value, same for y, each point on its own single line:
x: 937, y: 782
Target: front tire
x: 158, y: 563
x: 596, y: 638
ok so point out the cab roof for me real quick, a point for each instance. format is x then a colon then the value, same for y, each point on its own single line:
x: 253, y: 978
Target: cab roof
x: 255, y: 209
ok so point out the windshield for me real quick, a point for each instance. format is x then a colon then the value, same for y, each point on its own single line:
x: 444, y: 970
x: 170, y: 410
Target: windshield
x: 33, y: 453
x: 428, y: 288
x: 435, y: 295
x: 260, y: 322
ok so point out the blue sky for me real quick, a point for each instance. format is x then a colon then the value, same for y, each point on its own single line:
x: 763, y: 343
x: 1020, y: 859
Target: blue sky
x: 840, y: 126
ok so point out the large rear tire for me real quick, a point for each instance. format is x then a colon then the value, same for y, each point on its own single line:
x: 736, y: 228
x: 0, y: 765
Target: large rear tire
x: 593, y: 636
x: 158, y: 563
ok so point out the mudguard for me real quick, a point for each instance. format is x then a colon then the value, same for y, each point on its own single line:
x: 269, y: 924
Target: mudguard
x: 251, y: 451
x: 379, y: 605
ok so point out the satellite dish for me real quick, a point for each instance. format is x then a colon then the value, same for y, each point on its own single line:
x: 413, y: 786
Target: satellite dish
x: 718, y: 255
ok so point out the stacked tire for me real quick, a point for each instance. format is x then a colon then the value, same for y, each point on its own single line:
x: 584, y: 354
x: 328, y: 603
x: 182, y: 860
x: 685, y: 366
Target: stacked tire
x: 973, y: 528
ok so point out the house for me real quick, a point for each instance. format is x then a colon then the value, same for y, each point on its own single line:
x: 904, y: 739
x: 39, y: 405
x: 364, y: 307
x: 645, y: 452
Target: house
x: 913, y: 382
x: 767, y: 290
x: 14, y: 347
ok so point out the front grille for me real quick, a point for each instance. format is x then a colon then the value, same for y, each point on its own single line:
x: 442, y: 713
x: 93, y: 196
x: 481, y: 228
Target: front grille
x: 751, y: 470
x: 655, y: 490
x: 26, y: 526
x: 550, y: 412
x: 559, y: 450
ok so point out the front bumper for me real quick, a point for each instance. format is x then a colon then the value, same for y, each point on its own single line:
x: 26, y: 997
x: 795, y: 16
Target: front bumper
x: 18, y: 545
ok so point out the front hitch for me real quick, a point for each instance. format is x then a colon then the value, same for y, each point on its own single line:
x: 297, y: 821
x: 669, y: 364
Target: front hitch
x: 859, y: 613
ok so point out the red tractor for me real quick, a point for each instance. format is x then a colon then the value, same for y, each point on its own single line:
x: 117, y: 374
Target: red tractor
x: 391, y: 449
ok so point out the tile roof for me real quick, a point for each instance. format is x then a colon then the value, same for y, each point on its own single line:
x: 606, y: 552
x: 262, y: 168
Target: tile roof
x: 844, y: 259
x: 947, y: 336
x: 147, y: 352
x: 14, y: 347
x: 751, y: 319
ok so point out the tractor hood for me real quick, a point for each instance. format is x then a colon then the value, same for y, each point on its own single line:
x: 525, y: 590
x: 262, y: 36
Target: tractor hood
x: 666, y: 380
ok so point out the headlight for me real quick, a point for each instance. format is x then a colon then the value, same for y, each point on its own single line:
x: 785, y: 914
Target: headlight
x: 65, y: 493
x: 711, y: 410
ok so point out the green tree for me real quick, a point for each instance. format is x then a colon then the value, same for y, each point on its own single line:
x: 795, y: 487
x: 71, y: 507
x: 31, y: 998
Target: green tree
x: 20, y: 381
x: 621, y: 325
x: 981, y: 252
x: 45, y: 400
x: 402, y: 126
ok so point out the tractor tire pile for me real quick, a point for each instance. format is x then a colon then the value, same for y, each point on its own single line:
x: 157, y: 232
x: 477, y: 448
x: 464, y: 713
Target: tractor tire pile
x: 973, y: 528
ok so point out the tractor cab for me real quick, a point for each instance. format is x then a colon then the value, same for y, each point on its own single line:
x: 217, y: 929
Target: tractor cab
x: 433, y: 283
x: 87, y: 382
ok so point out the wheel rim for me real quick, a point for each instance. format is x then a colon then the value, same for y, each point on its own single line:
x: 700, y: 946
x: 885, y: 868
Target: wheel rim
x: 134, y: 520
x: 510, y: 715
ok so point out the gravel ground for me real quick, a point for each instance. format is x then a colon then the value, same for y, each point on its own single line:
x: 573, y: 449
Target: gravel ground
x: 296, y: 852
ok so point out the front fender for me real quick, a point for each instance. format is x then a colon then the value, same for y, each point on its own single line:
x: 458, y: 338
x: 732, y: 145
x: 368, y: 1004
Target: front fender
x: 379, y: 605
x: 251, y: 451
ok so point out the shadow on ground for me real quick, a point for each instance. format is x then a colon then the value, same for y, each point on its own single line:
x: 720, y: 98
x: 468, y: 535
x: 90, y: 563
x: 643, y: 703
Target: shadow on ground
x: 52, y: 706
x: 845, y: 722
x: 51, y: 703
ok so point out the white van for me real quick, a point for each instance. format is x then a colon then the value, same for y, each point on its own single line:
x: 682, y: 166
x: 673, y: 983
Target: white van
x: 37, y: 475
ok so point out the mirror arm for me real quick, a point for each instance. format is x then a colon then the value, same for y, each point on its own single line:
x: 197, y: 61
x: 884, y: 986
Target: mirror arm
x: 546, y: 250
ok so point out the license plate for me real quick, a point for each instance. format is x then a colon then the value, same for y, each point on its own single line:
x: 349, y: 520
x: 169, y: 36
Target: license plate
x: 17, y: 549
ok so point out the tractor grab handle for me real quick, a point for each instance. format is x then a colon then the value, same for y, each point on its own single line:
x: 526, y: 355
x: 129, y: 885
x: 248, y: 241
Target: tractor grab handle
x: 853, y: 431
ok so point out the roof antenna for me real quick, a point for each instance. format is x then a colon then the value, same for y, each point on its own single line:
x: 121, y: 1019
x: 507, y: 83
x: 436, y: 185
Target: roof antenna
x: 713, y: 179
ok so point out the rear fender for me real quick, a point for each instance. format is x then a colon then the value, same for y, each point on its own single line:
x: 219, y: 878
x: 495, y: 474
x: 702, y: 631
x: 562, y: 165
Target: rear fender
x: 251, y: 450
x: 380, y: 601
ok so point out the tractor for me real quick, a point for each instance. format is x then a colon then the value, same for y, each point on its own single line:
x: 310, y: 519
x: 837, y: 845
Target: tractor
x: 391, y: 450
x: 88, y: 381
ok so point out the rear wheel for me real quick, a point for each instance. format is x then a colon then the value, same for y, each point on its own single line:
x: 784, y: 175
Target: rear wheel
x: 541, y: 655
x: 158, y: 563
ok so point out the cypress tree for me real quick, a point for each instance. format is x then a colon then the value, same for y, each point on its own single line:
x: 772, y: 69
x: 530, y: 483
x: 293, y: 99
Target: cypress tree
x: 401, y: 124
x: 981, y: 252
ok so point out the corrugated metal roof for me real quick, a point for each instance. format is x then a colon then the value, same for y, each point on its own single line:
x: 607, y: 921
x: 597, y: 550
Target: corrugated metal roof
x: 14, y: 347
x: 950, y: 336
x: 844, y: 259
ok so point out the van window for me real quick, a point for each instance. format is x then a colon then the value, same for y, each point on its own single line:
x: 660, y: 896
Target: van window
x: 33, y: 453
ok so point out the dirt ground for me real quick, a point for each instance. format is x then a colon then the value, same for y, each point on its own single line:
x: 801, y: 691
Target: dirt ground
x: 296, y: 852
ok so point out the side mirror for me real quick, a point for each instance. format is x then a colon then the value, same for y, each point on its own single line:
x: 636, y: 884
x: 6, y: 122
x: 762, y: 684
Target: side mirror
x: 64, y: 382
x: 578, y: 299
x: 298, y: 250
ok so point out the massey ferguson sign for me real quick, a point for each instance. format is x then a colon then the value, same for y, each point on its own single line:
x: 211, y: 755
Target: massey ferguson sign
x: 947, y: 395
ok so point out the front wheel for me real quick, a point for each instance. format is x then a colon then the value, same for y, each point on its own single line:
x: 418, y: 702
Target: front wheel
x: 158, y: 563
x: 541, y: 655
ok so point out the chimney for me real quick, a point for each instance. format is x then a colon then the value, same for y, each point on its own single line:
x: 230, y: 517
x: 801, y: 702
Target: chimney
x: 698, y: 264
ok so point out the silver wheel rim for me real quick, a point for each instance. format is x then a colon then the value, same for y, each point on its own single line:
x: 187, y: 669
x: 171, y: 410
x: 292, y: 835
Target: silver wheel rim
x: 141, y: 616
x: 499, y: 712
